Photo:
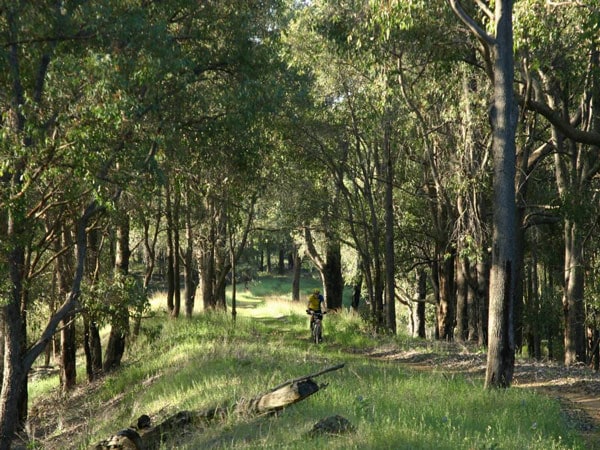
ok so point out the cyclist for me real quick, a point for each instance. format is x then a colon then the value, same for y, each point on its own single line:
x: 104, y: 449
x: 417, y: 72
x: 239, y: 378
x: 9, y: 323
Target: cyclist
x: 316, y: 304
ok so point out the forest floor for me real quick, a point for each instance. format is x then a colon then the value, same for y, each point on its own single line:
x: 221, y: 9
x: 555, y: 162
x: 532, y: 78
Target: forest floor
x: 577, y: 388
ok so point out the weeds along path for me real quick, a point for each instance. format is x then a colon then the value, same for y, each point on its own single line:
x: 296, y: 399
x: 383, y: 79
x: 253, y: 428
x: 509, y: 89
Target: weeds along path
x: 577, y: 388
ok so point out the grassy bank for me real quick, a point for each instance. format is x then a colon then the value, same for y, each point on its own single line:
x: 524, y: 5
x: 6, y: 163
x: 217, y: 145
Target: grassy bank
x: 195, y: 364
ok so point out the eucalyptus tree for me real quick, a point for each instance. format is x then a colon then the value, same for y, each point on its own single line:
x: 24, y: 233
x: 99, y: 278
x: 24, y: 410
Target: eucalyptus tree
x: 498, y: 48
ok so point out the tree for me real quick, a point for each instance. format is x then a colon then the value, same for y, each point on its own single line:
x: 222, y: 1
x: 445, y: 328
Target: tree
x: 503, y: 118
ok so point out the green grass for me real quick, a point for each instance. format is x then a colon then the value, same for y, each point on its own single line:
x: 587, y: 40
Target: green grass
x: 198, y: 363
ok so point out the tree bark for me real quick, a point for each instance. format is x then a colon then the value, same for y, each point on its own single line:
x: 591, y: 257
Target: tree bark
x: 68, y: 344
x: 462, y: 303
x: 91, y: 335
x: 171, y: 250
x: 573, y: 298
x: 390, y: 256
x: 420, y: 324
x: 119, y: 330
x: 501, y: 351
x: 501, y: 348
x: 191, y: 272
x: 297, y: 272
x: 446, y: 306
x: 176, y: 259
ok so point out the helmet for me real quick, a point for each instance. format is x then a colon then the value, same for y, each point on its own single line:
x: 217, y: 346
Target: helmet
x: 316, y: 291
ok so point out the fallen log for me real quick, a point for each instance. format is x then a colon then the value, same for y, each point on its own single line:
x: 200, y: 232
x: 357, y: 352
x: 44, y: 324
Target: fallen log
x: 143, y: 436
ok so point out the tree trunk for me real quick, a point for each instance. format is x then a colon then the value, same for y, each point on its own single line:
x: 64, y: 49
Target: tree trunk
x: 390, y: 258
x: 473, y: 304
x: 191, y: 273
x: 297, y: 272
x: 207, y: 274
x: 68, y: 345
x: 501, y: 349
x: 14, y: 374
x: 483, y: 277
x: 462, y: 303
x: 115, y: 348
x: 357, y: 287
x: 446, y: 306
x: 420, y: 313
x: 573, y: 301
x: 171, y: 250
x: 330, y: 267
x: 503, y: 117
x: 91, y: 336
x: 281, y: 260
x: 176, y: 260
x: 332, y: 274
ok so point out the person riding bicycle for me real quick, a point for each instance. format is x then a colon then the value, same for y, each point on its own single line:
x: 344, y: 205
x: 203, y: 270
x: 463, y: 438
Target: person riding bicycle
x: 316, y: 304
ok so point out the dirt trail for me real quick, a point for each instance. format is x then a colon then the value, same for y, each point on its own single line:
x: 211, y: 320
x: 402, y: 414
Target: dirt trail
x: 577, y: 388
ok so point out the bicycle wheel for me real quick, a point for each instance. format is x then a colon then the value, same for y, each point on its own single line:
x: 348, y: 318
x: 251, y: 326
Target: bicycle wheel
x: 317, y: 332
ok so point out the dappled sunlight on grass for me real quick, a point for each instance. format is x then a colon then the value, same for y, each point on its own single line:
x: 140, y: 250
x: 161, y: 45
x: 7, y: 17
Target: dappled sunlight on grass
x: 275, y: 308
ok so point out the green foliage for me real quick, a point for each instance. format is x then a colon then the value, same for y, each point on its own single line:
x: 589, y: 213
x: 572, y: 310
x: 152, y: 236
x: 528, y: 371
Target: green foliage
x: 112, y: 297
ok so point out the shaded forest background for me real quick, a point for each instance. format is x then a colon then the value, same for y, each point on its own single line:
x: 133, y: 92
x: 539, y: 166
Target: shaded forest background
x: 201, y: 142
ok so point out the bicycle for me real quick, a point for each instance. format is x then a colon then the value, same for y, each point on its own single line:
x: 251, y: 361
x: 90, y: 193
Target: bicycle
x: 316, y: 325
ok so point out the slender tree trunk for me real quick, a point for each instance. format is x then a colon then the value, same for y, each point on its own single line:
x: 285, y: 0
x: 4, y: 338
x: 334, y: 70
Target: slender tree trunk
x: 390, y: 258
x: 462, y: 303
x: 233, y: 276
x: 483, y: 282
x: 297, y: 272
x: 472, y: 303
x: 446, y: 306
x: 171, y: 251
x: 191, y: 273
x: 92, y: 343
x: 281, y: 260
x: 420, y: 313
x: 573, y: 299
x: 176, y: 260
x: 68, y: 345
x: 149, y: 262
x: 119, y: 330
x: 207, y: 274
x: 357, y: 288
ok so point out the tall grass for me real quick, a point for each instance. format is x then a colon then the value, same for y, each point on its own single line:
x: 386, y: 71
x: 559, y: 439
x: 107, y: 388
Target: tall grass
x: 193, y: 364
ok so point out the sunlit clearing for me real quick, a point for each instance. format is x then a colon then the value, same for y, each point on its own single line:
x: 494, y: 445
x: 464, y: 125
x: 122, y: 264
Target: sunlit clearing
x: 272, y: 307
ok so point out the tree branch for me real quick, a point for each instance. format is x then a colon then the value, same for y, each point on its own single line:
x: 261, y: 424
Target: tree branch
x: 71, y: 301
x: 564, y: 125
x: 479, y: 32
